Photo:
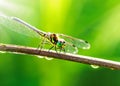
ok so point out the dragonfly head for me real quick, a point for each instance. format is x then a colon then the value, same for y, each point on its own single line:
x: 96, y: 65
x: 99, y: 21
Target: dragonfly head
x: 61, y: 43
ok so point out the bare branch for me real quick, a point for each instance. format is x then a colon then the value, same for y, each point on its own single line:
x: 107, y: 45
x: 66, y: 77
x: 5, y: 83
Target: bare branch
x: 65, y: 56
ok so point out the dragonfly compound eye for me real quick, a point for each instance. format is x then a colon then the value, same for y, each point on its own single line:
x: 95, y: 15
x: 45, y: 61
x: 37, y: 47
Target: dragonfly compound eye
x: 63, y: 41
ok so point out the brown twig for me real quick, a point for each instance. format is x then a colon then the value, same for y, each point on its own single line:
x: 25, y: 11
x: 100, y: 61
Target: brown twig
x: 65, y: 56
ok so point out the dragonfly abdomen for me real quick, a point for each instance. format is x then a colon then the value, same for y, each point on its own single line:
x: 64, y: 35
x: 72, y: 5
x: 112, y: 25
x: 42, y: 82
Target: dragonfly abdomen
x: 40, y: 32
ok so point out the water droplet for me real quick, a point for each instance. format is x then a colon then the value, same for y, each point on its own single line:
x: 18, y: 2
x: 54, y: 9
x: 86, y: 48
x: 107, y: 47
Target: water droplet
x: 16, y: 53
x: 95, y: 66
x: 2, y: 52
x: 48, y: 58
x: 112, y: 68
x: 40, y: 56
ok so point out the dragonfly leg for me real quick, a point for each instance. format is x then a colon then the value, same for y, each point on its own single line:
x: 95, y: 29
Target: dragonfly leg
x: 60, y: 49
x: 63, y: 49
x: 51, y: 48
x: 40, y: 46
x: 55, y: 49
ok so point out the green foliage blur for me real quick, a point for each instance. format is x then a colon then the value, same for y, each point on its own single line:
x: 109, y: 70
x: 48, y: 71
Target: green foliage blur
x: 97, y: 21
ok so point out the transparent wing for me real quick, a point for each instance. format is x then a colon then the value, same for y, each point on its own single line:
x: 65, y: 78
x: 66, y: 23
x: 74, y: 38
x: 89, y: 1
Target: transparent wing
x: 9, y: 23
x: 70, y: 48
x: 75, y: 42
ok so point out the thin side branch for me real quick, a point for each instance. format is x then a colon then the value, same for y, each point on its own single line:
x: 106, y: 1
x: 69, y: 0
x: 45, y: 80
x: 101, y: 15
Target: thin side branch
x: 64, y: 56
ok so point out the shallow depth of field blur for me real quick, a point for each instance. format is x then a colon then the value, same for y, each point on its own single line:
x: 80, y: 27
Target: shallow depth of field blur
x: 97, y: 21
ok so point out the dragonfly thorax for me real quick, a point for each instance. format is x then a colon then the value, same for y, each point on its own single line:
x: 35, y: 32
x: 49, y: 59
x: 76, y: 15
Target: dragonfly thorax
x: 56, y: 40
x: 53, y: 38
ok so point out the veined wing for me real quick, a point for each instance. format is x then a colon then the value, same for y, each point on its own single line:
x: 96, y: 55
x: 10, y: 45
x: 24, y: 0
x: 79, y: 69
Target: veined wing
x: 70, y: 48
x: 75, y: 42
x: 19, y: 26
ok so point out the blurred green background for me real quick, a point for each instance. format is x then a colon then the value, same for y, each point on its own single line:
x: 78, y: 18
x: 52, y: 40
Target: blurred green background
x: 97, y: 21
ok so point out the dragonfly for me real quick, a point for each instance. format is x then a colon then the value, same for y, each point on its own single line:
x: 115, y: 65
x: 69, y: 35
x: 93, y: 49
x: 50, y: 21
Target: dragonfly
x: 61, y: 42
